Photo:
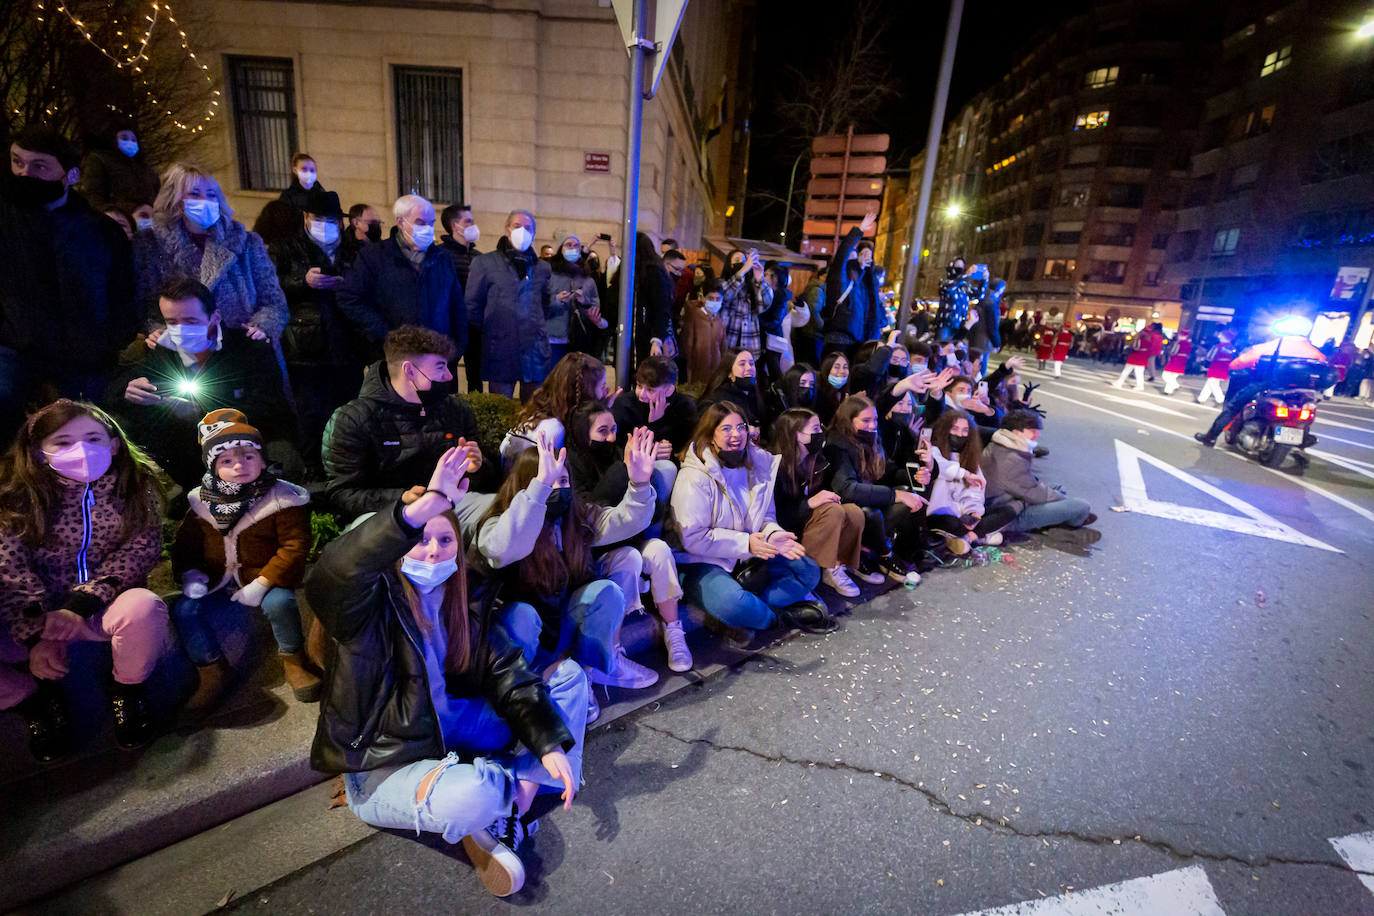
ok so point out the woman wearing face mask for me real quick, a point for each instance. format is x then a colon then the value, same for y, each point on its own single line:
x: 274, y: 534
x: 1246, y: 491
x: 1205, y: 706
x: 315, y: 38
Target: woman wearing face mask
x: 896, y: 517
x: 80, y: 529
x: 109, y: 176
x: 796, y: 388
x: 735, y: 381
x: 703, y: 331
x: 736, y: 562
x: 577, y: 378
x: 430, y: 712
x: 957, y: 497
x: 831, y: 531
x: 537, y: 540
x: 304, y: 179
x: 745, y: 298
x: 508, y: 296
x: 195, y: 235
x: 600, y: 476
x: 832, y: 385
x: 576, y: 322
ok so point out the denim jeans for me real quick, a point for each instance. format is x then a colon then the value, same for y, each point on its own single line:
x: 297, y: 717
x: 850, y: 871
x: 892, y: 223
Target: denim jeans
x: 453, y: 798
x: 279, y: 607
x: 1068, y: 511
x: 662, y: 478
x: 590, y: 618
x: 716, y: 592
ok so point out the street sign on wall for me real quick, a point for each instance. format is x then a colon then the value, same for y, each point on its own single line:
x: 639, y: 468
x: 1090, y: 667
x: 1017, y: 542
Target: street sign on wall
x: 846, y: 183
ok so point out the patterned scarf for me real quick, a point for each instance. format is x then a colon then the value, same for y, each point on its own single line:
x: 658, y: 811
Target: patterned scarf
x: 229, y: 501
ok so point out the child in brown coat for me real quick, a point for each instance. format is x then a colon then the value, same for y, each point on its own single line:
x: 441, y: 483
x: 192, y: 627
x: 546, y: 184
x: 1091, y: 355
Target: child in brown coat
x: 245, y: 540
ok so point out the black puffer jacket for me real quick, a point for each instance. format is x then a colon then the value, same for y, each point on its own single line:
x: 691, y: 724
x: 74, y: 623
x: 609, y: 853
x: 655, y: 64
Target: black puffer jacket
x: 378, y: 445
x: 848, y: 482
x: 317, y: 334
x: 376, y: 709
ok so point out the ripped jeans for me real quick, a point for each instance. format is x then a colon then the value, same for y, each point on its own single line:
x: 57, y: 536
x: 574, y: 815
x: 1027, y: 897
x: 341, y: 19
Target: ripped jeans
x: 453, y: 798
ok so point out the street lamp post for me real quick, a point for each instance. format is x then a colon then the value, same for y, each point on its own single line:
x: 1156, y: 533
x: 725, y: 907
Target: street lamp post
x: 787, y: 210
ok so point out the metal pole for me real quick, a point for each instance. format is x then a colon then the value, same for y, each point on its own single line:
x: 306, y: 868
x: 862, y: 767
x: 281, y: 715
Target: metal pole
x: 937, y: 123
x: 844, y: 182
x: 787, y: 211
x: 630, y: 224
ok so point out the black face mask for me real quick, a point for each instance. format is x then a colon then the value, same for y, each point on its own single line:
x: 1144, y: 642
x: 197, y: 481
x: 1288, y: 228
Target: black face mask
x: 374, y: 232
x: 957, y: 443
x: 865, y: 436
x: 27, y: 191
x: 896, y: 371
x: 745, y: 385
x: 603, y: 453
x: 558, y: 503
x: 806, y: 395
x: 731, y: 457
x: 813, y: 444
x: 435, y: 393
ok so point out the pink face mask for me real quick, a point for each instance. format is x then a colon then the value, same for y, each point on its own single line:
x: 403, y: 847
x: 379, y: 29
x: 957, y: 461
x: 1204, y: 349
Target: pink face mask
x: 80, y: 461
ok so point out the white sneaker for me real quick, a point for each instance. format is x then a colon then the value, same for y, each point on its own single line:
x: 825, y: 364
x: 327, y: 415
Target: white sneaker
x: 1118, y: 384
x: 836, y: 578
x: 498, y: 866
x: 625, y: 672
x: 877, y: 577
x: 675, y: 641
x: 911, y: 579
x: 593, y: 707
x: 994, y: 539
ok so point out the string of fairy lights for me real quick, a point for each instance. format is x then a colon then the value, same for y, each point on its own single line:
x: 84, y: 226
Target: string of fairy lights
x: 134, y: 60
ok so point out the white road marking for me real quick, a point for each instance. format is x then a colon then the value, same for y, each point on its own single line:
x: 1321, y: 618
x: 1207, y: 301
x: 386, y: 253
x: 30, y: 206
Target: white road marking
x: 1348, y: 416
x: 1358, y: 852
x: 1298, y: 481
x: 1350, y: 464
x: 1182, y: 892
x: 1255, y: 522
x: 1328, y: 437
x: 1320, y: 419
x: 1143, y: 405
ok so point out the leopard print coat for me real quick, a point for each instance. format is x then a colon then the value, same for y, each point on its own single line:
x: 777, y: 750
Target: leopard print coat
x: 83, y: 563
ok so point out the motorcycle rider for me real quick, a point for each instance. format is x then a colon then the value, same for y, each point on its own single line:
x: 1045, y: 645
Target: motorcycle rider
x: 1253, y: 373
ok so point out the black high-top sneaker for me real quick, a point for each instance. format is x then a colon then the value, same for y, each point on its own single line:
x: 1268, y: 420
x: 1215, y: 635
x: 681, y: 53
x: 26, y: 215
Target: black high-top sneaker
x: 50, y: 733
x: 133, y: 723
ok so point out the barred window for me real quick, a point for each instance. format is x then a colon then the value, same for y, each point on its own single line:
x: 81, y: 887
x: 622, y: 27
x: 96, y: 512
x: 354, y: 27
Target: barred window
x: 263, y: 94
x: 429, y: 132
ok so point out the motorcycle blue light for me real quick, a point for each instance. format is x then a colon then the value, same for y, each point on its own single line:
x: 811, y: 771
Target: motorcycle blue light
x: 1292, y: 326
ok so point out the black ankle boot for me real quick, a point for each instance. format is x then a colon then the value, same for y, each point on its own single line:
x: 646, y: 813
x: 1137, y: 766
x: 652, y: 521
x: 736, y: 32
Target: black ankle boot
x: 133, y: 724
x: 50, y: 733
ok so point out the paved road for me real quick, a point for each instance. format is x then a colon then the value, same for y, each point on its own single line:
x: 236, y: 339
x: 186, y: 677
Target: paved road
x: 1136, y: 727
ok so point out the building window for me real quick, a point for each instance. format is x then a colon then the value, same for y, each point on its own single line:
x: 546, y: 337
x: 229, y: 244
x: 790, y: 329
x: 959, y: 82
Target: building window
x: 1151, y: 277
x: 1259, y: 121
x: 1224, y: 242
x: 1100, y: 78
x: 1025, y: 269
x: 1124, y: 195
x: 1066, y: 233
x: 1106, y: 272
x: 1074, y: 195
x: 1091, y: 120
x: 263, y: 94
x: 1059, y: 268
x: 1160, y: 241
x: 1243, y: 179
x: 1084, y: 155
x: 1186, y: 246
x: 429, y: 132
x: 1118, y: 234
x: 1275, y: 61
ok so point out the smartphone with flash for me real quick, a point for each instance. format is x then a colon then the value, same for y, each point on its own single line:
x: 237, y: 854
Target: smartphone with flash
x: 983, y: 388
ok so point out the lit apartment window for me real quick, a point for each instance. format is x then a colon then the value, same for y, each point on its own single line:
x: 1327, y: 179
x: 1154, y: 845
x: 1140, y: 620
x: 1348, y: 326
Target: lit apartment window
x: 1073, y: 196
x: 263, y: 95
x: 1224, y: 242
x: 1059, y: 268
x: 429, y: 132
x: 1091, y: 120
x: 1151, y: 277
x: 1101, y: 78
x: 1275, y: 61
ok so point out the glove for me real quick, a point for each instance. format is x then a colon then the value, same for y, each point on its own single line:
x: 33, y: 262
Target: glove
x: 194, y: 583
x: 251, y: 595
x: 1025, y: 395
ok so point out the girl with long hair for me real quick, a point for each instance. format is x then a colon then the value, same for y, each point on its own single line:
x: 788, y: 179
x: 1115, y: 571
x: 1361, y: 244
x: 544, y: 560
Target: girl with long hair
x: 430, y: 711
x: 896, y: 517
x: 537, y: 539
x: 80, y: 529
x: 600, y: 476
x: 957, y: 495
x: 736, y: 562
x: 831, y: 531
x: 832, y: 385
x: 736, y: 380
x: 577, y: 377
x: 796, y: 388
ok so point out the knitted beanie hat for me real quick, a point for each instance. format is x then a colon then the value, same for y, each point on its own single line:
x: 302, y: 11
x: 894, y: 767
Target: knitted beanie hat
x: 223, y: 429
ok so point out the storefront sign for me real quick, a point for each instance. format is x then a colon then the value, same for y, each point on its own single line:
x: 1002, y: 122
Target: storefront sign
x: 601, y: 162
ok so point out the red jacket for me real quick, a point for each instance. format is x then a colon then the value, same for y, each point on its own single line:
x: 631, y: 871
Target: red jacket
x: 1045, y: 344
x: 1179, y: 361
x: 1155, y: 340
x: 1062, y: 344
x: 1220, y: 365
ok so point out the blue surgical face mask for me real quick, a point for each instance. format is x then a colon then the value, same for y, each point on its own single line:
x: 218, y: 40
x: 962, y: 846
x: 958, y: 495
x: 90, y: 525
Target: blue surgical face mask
x: 144, y: 222
x: 918, y: 365
x: 324, y: 231
x: 204, y: 213
x: 572, y: 256
x: 426, y: 576
x: 837, y: 381
x: 422, y: 237
x: 128, y: 147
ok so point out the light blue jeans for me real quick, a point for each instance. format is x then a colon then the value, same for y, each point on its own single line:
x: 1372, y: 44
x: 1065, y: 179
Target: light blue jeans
x: 590, y: 619
x: 278, y: 606
x: 453, y: 798
x: 715, y: 591
x: 1068, y: 511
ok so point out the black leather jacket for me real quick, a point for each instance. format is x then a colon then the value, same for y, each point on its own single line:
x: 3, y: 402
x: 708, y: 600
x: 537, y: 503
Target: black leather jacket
x: 376, y: 709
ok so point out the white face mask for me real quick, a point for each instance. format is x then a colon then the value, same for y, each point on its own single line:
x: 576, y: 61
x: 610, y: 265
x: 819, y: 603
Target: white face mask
x: 307, y: 178
x: 128, y: 147
x: 472, y: 234
x: 144, y: 222
x: 711, y: 306
x: 521, y: 237
x: 426, y: 576
x: 572, y: 256
x: 421, y: 237
x: 324, y: 232
x: 204, y: 213
x: 186, y: 338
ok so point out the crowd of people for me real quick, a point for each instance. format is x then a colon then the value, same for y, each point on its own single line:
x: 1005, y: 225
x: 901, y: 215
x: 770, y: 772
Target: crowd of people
x: 178, y: 365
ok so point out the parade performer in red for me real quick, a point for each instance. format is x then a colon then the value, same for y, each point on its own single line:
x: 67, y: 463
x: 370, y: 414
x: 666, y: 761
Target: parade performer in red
x: 1218, y: 367
x: 1062, y: 343
x: 1178, y: 362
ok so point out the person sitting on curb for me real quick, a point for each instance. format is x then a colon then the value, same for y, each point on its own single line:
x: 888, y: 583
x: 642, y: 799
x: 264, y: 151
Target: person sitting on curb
x: 1011, y: 482
x: 244, y: 541
x: 430, y: 711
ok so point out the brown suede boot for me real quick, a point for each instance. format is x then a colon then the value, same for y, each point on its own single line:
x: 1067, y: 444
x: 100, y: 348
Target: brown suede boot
x: 214, y: 681
x: 300, y: 674
x: 315, y: 643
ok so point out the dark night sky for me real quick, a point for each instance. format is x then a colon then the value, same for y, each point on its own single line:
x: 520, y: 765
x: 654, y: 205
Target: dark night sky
x: 993, y: 32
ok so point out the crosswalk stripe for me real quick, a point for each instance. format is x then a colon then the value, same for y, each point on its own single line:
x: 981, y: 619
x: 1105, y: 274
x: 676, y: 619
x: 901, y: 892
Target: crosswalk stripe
x: 1357, y: 850
x: 1182, y: 892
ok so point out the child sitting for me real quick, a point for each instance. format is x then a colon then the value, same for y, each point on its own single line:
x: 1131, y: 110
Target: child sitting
x: 244, y: 540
